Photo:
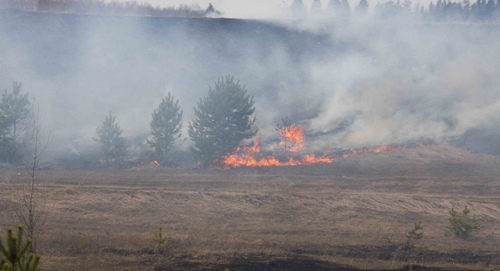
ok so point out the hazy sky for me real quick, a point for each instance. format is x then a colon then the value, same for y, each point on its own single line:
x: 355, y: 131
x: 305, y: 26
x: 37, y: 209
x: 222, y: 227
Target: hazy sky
x: 253, y: 8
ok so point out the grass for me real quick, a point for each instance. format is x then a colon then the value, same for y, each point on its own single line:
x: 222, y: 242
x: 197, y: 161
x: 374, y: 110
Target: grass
x: 322, y: 216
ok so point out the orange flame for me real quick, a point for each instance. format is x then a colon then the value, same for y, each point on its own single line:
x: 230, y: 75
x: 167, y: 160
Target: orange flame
x: 245, y: 156
x: 155, y: 163
x: 292, y: 138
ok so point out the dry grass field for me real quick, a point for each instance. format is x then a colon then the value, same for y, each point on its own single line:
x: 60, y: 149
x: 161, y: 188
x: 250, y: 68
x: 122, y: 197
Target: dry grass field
x: 337, y: 216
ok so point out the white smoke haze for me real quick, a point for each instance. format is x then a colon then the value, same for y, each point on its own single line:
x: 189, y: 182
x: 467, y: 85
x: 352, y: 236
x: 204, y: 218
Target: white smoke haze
x: 352, y: 84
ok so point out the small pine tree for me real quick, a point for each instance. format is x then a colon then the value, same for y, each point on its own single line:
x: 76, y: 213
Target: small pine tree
x: 210, y: 8
x: 30, y: 263
x: 113, y: 145
x: 15, y: 252
x: 362, y: 8
x: 159, y: 241
x: 461, y: 225
x: 165, y: 125
x: 414, y: 235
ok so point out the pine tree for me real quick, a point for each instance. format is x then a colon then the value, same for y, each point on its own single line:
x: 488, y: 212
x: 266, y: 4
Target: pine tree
x: 345, y: 8
x: 15, y: 252
x: 362, y: 8
x: 210, y: 8
x: 14, y: 109
x: 165, y: 125
x: 223, y: 120
x: 461, y: 225
x: 334, y: 5
x: 113, y: 145
x: 297, y: 9
x: 316, y: 8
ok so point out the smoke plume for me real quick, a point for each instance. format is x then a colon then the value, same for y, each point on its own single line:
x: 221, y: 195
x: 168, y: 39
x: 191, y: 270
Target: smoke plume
x: 351, y: 83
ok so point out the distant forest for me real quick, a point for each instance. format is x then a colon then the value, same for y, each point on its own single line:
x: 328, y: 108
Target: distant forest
x: 129, y: 8
x: 480, y: 11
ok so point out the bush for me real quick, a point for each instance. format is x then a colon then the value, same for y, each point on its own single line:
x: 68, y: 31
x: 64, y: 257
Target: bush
x: 414, y: 235
x: 461, y: 225
x: 15, y: 252
x: 159, y: 241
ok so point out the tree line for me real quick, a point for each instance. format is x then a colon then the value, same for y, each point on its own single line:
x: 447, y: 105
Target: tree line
x: 222, y: 120
x: 483, y: 11
x: 130, y: 8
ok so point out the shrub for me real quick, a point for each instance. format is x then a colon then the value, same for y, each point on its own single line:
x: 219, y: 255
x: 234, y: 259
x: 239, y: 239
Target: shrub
x: 414, y: 235
x: 461, y: 225
x: 15, y: 252
x: 159, y: 241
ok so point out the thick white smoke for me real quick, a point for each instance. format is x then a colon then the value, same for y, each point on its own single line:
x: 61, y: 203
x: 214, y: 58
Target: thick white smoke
x: 351, y: 83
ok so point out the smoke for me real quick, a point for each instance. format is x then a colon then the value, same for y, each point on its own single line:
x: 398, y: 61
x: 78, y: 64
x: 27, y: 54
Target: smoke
x: 351, y: 83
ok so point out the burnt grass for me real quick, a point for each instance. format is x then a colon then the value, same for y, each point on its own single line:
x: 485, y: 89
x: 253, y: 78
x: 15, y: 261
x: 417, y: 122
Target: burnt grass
x: 297, y: 261
x: 349, y: 215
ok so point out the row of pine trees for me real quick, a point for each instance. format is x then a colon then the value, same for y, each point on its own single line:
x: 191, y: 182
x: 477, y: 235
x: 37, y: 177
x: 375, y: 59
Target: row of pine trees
x: 478, y: 11
x: 484, y: 11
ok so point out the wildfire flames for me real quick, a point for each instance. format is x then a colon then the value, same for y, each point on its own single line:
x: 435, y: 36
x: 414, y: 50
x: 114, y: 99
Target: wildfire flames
x: 245, y: 156
x: 155, y: 163
x: 292, y: 140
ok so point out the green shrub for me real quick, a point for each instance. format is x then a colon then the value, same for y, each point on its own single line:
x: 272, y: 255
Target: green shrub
x: 159, y: 241
x: 461, y: 225
x: 15, y: 252
x: 414, y: 235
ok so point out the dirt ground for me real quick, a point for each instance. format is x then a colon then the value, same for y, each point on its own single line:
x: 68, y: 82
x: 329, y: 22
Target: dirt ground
x: 348, y: 215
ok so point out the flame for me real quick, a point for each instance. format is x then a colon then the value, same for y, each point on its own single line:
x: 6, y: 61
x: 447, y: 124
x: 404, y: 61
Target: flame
x: 292, y: 141
x: 245, y: 156
x: 155, y: 163
x: 292, y: 138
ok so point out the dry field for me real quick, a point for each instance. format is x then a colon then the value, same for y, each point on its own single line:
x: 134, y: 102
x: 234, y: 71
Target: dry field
x: 338, y: 216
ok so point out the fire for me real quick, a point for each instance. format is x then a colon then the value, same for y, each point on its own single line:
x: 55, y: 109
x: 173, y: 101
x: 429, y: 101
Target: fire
x: 245, y: 156
x: 292, y: 138
x: 155, y: 163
